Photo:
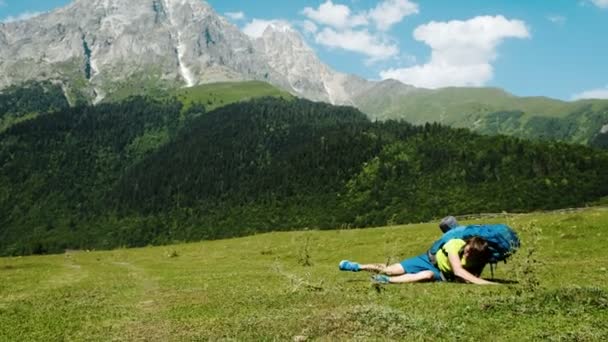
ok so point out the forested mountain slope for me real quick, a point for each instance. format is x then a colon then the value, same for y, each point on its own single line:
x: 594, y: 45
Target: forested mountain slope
x: 20, y: 103
x: 147, y: 171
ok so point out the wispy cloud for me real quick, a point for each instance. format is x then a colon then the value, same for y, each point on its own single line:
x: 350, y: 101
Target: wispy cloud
x: 20, y: 17
x: 309, y: 27
x: 600, y: 3
x: 337, y: 16
x: 462, y: 51
x: 600, y: 93
x: 235, y: 15
x: 360, y: 41
x: 256, y: 28
x: 391, y: 12
x: 557, y: 19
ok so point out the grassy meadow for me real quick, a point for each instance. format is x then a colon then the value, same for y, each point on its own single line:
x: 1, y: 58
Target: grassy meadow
x: 215, y: 95
x: 286, y: 286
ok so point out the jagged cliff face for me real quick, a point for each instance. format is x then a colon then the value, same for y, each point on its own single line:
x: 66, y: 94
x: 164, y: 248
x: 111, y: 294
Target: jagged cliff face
x: 99, y: 43
x: 287, y: 53
x: 101, y: 46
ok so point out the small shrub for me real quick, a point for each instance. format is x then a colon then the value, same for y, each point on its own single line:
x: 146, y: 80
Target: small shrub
x: 304, y: 253
x: 526, y: 261
x: 298, y: 283
x: 267, y: 251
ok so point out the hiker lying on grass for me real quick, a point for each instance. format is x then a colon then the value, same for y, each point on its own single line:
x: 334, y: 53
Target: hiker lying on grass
x: 457, y: 260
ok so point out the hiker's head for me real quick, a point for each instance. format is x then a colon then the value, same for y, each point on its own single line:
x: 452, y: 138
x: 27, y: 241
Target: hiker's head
x: 448, y: 223
x: 477, y: 250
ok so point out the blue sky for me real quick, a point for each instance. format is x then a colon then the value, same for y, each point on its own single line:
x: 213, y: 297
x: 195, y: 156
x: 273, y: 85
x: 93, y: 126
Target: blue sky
x: 555, y: 48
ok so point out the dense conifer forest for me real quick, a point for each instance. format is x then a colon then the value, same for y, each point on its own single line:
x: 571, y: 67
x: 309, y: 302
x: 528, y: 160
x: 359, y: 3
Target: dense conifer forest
x: 147, y: 171
x: 19, y: 103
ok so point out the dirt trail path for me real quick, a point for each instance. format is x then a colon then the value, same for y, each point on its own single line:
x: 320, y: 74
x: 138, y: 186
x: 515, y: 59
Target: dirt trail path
x: 148, y: 303
x: 72, y: 273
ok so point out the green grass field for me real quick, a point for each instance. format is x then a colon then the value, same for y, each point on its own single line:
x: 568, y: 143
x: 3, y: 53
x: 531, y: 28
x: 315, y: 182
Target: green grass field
x: 217, y: 95
x: 286, y: 286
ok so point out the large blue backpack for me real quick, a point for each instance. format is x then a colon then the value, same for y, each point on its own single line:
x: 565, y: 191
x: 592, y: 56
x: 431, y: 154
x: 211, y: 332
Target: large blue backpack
x: 502, y: 239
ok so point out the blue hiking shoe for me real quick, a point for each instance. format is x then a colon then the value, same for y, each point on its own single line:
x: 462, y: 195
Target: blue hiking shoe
x: 381, y: 279
x: 346, y: 265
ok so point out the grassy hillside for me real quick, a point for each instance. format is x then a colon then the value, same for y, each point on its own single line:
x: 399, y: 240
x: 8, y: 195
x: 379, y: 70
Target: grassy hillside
x: 286, y: 286
x: 217, y: 95
x: 211, y: 96
x: 489, y: 111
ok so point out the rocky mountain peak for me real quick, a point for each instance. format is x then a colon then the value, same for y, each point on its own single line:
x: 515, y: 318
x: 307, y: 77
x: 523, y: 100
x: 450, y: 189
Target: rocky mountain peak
x: 279, y: 27
x: 98, y: 47
x: 288, y: 53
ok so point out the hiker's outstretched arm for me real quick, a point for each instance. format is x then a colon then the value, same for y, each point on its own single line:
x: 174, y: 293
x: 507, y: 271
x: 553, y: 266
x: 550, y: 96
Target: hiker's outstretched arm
x: 461, y: 273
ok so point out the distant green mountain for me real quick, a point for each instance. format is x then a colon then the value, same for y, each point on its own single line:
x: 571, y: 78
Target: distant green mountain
x: 154, y: 171
x: 489, y: 111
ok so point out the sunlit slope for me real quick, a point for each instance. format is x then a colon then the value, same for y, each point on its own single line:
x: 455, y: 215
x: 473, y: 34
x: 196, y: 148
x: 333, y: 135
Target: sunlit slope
x: 216, y: 95
x: 286, y: 286
x: 488, y: 111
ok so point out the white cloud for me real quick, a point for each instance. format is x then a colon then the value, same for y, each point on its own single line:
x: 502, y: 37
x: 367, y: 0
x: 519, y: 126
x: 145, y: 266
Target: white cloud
x: 336, y: 26
x: 235, y: 15
x: 22, y: 16
x: 601, y: 93
x: 462, y: 51
x: 600, y: 3
x: 360, y: 41
x: 557, y: 19
x: 256, y: 28
x: 384, y: 15
x: 437, y: 76
x: 391, y: 12
x: 361, y: 32
x: 407, y: 60
x: 309, y: 27
x: 335, y: 15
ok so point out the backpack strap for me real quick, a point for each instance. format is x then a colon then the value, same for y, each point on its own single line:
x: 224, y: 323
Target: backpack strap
x: 460, y: 252
x: 433, y: 257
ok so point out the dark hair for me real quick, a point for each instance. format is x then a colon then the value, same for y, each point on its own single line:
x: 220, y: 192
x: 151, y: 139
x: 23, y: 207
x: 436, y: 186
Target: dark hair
x: 479, y: 250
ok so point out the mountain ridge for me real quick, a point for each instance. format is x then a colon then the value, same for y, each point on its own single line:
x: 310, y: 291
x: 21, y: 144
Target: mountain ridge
x: 98, y: 48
